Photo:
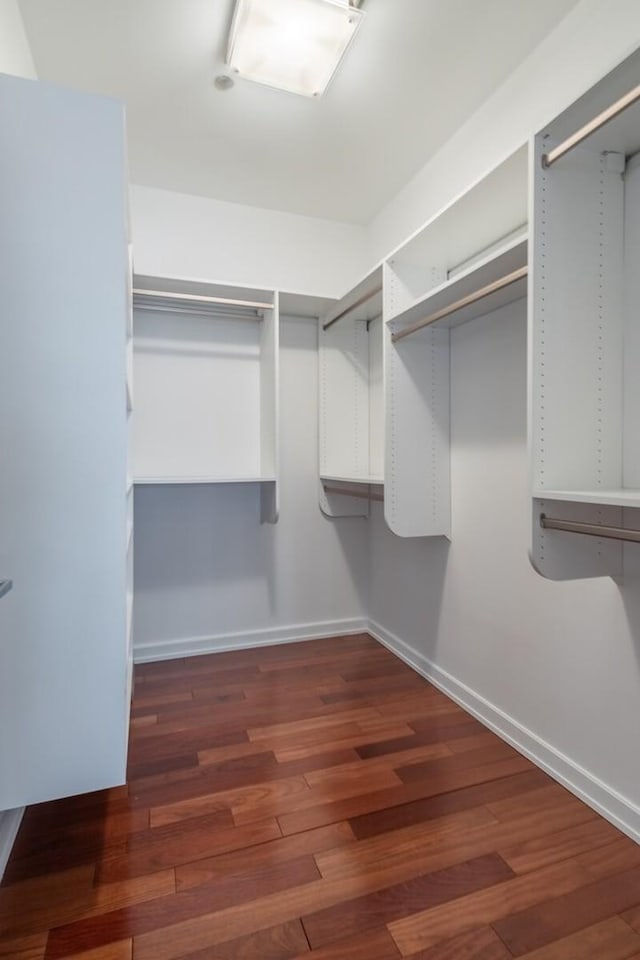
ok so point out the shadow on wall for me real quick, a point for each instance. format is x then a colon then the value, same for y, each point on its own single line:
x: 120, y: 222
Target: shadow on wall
x: 630, y: 586
x: 189, y: 533
x: 327, y: 558
x: 406, y: 578
x: 415, y: 584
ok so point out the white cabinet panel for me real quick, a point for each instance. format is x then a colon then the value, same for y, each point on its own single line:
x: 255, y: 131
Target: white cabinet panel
x: 63, y: 529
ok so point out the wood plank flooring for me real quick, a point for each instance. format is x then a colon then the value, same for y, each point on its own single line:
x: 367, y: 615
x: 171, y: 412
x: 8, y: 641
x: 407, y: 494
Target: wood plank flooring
x: 317, y: 798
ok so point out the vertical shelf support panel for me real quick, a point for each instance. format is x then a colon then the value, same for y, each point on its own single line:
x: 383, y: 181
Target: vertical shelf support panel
x: 269, y: 412
x: 576, y: 351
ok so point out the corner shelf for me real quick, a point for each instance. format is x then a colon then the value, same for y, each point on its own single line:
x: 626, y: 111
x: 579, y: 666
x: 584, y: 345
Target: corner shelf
x: 351, y: 402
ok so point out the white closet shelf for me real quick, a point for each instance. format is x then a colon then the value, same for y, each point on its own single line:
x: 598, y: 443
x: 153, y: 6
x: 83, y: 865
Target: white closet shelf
x: 304, y: 305
x: 363, y: 302
x: 501, y: 261
x: 372, y: 480
x: 202, y: 297
x: 623, y: 497
x: 171, y: 481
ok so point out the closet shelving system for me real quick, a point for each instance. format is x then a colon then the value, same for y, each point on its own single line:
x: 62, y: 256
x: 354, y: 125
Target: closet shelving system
x: 468, y: 260
x: 385, y: 389
x: 206, y: 373
x: 584, y: 332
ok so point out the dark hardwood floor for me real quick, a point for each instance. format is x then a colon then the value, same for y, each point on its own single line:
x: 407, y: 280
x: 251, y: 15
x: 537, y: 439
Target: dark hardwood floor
x: 317, y: 797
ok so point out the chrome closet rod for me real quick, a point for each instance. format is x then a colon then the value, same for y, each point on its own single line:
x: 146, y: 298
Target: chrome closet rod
x: 505, y: 281
x: 357, y: 303
x: 195, y: 298
x: 613, y: 111
x: 349, y: 492
x: 590, y: 529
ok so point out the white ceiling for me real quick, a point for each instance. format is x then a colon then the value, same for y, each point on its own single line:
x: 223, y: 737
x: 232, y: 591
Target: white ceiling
x: 417, y: 70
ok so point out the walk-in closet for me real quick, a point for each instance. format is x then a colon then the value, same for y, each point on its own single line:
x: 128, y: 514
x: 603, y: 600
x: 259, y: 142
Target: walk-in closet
x: 319, y: 480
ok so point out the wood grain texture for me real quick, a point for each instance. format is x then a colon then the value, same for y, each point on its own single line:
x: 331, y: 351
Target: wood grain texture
x: 23, y: 910
x: 616, y: 857
x: 23, y: 948
x: 317, y: 800
x: 481, y: 943
x: 610, y: 940
x: 555, y: 919
x: 192, y: 902
x: 428, y: 927
x: 265, y: 854
x: 122, y: 950
x: 377, y: 945
x: 403, y: 899
x: 282, y: 942
x: 537, y: 853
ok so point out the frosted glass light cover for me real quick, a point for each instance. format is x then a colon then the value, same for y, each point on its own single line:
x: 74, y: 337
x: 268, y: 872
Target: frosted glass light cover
x: 294, y: 45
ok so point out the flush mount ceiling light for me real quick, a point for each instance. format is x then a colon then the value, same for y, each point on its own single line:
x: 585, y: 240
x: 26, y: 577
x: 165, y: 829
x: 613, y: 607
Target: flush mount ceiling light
x: 294, y: 45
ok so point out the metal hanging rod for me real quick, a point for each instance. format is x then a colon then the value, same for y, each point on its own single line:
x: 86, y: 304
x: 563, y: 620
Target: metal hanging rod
x: 590, y: 529
x: 613, y: 111
x: 350, y: 492
x: 196, y: 310
x: 196, y: 298
x: 357, y: 303
x: 506, y: 281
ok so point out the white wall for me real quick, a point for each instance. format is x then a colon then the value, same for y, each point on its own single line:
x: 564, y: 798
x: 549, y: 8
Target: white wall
x: 181, y: 235
x: 586, y: 45
x: 558, y: 659
x: 205, y: 567
x: 15, y: 55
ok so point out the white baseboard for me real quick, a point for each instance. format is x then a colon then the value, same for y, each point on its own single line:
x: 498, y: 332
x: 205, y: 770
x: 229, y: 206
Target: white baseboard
x: 605, y: 800
x: 192, y: 646
x: 9, y: 825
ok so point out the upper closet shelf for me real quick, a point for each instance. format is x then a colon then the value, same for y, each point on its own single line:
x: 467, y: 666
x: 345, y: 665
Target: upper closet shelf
x: 363, y: 302
x: 495, y: 279
x: 371, y: 480
x: 200, y: 298
x: 304, y: 305
x: 614, y: 498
